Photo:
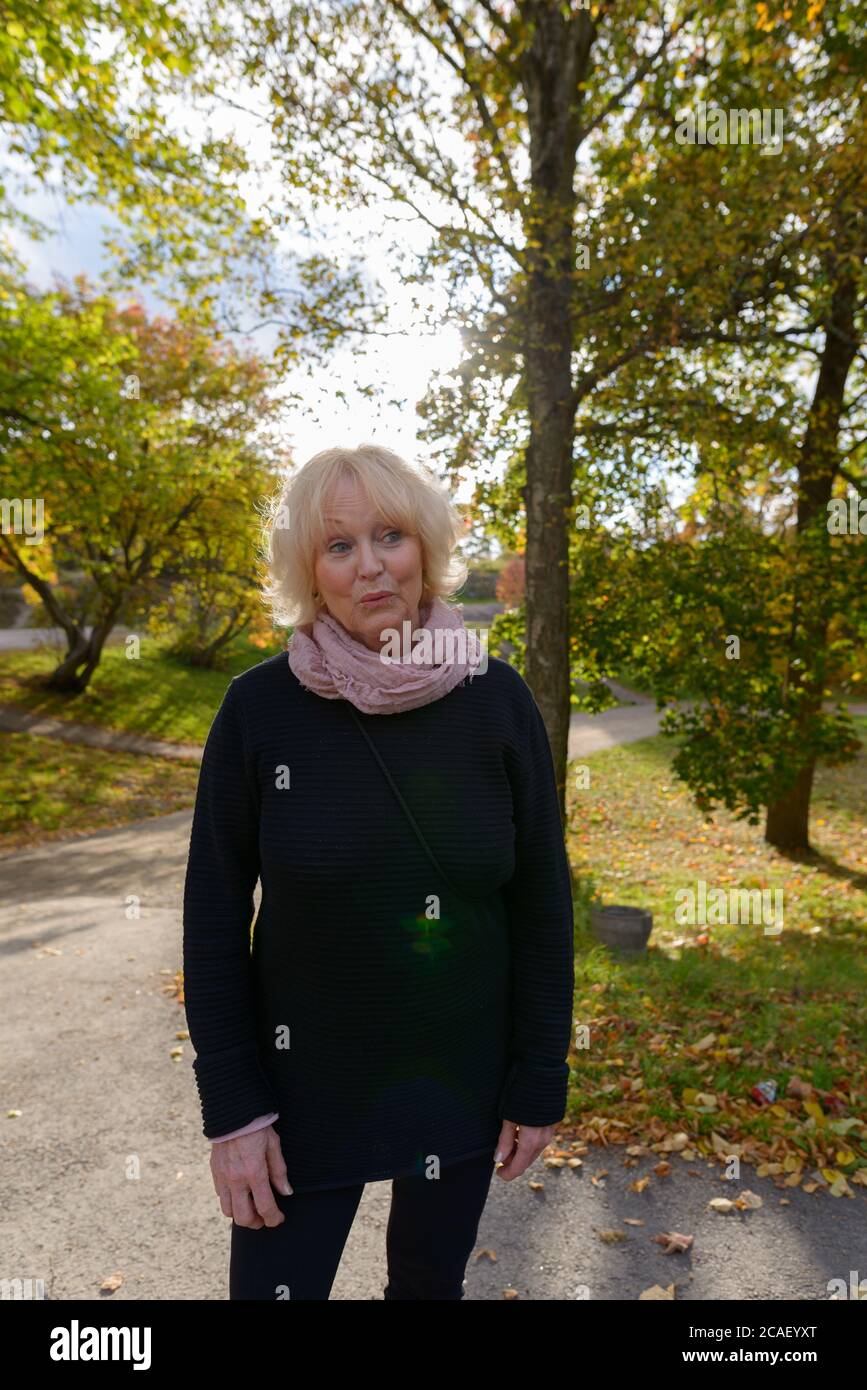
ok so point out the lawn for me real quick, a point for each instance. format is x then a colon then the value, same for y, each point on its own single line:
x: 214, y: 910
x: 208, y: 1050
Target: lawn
x: 151, y: 695
x: 678, y: 1037
x: 50, y: 789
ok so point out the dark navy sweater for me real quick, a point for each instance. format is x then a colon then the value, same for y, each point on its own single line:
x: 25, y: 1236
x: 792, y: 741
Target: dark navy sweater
x: 388, y: 1018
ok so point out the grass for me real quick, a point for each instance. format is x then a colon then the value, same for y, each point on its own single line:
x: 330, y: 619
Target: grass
x: 50, y: 789
x: 678, y: 1037
x: 153, y: 695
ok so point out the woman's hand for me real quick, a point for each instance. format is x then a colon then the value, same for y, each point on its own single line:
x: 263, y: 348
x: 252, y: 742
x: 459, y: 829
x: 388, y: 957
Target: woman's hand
x: 243, y: 1170
x: 518, y: 1153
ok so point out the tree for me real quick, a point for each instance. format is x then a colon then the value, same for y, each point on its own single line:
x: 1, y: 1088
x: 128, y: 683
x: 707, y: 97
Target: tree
x: 774, y: 429
x: 473, y: 120
x: 212, y: 595
x: 126, y: 429
x: 91, y: 91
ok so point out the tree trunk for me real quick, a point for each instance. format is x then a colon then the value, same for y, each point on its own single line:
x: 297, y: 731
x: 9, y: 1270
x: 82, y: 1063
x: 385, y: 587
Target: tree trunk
x: 204, y: 655
x: 788, y: 818
x: 554, y: 67
x: 74, y: 672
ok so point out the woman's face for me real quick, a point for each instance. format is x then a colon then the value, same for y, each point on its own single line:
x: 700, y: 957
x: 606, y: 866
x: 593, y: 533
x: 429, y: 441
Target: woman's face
x: 363, y: 554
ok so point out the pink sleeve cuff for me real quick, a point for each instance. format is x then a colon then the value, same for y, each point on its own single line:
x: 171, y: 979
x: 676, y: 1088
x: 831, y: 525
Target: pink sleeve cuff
x: 262, y: 1121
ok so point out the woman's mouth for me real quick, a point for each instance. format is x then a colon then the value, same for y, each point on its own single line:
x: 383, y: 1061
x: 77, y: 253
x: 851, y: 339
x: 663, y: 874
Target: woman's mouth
x: 377, y: 598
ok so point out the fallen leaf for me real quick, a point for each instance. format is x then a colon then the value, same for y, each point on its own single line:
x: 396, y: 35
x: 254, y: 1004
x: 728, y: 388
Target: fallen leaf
x: 673, y: 1143
x: 800, y: 1090
x: 749, y: 1200
x: 723, y: 1146
x: 674, y: 1242
x: 655, y: 1292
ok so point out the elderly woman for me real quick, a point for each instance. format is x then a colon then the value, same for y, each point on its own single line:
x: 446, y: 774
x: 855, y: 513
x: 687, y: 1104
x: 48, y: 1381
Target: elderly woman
x: 406, y: 1008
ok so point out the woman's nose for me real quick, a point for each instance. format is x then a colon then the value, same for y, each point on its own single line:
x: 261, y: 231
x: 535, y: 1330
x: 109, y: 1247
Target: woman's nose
x: 368, y: 560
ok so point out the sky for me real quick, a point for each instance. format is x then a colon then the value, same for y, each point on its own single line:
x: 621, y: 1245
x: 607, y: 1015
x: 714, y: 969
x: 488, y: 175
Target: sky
x: 402, y: 364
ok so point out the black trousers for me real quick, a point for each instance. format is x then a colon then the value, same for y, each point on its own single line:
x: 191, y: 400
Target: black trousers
x: 432, y: 1229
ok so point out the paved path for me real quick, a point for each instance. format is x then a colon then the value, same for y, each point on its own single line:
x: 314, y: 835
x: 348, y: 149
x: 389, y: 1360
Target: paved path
x: 106, y: 1168
x: 25, y: 638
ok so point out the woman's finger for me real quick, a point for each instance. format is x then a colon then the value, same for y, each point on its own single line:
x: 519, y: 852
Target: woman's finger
x: 243, y: 1211
x: 277, y: 1164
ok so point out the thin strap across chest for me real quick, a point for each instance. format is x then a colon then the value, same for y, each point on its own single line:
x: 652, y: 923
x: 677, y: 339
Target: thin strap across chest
x: 407, y: 812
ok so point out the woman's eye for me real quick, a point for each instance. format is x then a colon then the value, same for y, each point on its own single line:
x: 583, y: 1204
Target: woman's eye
x: 386, y: 534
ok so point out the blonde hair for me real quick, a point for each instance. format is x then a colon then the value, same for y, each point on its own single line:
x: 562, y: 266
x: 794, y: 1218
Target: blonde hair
x: 407, y: 496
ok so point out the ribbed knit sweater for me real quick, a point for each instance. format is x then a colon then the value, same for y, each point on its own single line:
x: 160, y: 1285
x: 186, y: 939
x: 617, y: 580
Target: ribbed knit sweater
x: 386, y: 1018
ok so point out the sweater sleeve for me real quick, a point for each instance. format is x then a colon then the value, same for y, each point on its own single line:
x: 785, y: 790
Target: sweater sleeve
x: 539, y: 905
x: 261, y: 1123
x: 222, y: 870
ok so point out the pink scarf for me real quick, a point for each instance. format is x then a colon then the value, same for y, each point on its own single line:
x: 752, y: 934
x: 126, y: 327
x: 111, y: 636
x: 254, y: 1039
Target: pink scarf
x: 330, y: 662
